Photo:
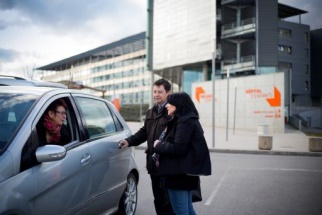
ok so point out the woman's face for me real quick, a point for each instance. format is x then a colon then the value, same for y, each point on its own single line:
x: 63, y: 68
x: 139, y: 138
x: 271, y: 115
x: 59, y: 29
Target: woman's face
x: 171, y: 109
x: 59, y: 115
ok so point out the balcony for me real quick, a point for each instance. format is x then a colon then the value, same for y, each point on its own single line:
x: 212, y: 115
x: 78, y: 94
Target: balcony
x: 247, y: 63
x: 237, y: 2
x: 232, y: 29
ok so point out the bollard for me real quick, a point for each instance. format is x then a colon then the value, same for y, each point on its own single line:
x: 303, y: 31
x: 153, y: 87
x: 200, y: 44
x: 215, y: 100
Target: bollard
x: 265, y: 142
x: 315, y: 144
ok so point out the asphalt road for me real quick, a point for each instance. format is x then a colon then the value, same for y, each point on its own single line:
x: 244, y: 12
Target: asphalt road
x: 250, y: 184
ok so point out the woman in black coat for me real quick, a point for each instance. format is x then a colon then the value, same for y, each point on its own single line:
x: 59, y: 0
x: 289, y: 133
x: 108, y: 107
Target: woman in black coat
x: 182, y: 153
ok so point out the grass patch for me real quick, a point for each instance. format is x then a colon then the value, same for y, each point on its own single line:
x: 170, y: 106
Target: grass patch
x: 313, y: 134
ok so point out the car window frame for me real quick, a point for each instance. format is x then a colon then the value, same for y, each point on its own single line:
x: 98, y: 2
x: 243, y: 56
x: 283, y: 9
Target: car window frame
x: 69, y: 117
x: 117, y: 123
x: 33, y: 138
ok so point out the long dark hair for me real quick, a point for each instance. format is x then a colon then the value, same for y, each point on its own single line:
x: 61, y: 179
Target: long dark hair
x: 183, y: 103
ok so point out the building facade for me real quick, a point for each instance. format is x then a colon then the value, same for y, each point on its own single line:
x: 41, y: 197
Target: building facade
x: 244, y: 38
x: 186, y: 40
x: 118, y: 69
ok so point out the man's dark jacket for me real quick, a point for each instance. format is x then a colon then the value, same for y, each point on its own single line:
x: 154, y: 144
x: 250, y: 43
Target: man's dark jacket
x: 154, y: 124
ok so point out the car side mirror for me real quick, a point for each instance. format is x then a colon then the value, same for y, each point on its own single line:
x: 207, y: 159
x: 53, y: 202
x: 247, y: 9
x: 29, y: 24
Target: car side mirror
x: 50, y: 153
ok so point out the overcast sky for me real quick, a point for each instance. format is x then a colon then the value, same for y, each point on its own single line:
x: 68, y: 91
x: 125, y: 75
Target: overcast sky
x: 34, y: 33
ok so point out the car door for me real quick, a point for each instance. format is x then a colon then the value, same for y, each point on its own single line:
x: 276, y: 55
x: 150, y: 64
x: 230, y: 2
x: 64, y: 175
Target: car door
x: 110, y: 165
x: 64, y: 186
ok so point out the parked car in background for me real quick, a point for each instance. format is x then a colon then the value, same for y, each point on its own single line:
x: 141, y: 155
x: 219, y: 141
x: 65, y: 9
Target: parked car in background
x: 88, y: 175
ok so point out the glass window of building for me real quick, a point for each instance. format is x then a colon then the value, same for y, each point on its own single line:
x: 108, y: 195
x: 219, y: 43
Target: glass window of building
x: 284, y: 49
x: 285, y: 32
x: 307, y: 69
x: 306, y: 37
x: 284, y: 66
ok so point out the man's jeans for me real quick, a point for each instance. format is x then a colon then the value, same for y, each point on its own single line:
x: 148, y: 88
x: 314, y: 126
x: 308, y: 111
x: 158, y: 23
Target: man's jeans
x: 181, y: 202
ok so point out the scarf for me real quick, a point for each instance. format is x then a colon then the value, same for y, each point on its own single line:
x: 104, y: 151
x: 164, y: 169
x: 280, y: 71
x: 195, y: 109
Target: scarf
x: 155, y: 156
x: 52, y: 128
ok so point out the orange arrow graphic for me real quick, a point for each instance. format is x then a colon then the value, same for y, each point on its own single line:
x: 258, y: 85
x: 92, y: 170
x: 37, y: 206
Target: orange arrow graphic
x: 199, y: 90
x: 276, y: 101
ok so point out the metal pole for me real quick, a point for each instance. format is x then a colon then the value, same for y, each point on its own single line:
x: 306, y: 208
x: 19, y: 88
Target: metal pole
x: 141, y: 99
x: 235, y: 105
x: 290, y: 93
x: 149, y: 48
x: 213, y: 97
x: 227, y: 103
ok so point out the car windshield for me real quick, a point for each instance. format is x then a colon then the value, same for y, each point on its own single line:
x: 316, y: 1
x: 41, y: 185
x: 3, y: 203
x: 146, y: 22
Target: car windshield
x: 13, y: 108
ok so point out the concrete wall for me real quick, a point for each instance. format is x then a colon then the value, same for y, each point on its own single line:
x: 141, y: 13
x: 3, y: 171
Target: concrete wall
x: 183, y: 32
x: 313, y: 117
x: 259, y: 100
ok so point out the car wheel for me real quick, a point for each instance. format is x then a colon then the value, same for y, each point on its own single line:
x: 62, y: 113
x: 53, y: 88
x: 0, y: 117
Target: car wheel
x: 128, y: 203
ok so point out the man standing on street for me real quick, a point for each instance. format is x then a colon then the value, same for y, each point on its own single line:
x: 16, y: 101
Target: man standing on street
x: 155, y: 122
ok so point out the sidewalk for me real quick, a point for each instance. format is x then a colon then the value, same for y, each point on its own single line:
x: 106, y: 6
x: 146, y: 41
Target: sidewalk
x: 292, y: 142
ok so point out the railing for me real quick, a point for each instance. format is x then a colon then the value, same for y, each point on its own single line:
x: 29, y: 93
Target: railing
x: 226, y: 1
x: 244, y: 59
x: 248, y: 21
x: 243, y: 22
x: 295, y: 122
x: 245, y: 63
x: 248, y: 58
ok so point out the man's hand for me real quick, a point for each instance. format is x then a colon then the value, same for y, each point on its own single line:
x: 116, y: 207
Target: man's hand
x: 156, y: 142
x: 122, y: 144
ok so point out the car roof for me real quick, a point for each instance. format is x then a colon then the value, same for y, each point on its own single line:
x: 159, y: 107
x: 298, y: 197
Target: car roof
x: 31, y: 90
x: 27, y: 89
x: 18, y: 81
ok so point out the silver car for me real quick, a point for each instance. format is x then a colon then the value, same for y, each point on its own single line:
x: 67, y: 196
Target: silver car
x: 87, y: 175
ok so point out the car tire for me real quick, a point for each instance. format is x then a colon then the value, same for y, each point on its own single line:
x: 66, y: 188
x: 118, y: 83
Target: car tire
x: 128, y: 202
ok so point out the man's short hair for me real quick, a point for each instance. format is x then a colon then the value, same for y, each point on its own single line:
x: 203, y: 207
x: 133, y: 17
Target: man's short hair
x: 166, y: 84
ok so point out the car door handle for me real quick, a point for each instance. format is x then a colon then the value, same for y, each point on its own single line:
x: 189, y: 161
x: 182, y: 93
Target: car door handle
x: 85, y: 159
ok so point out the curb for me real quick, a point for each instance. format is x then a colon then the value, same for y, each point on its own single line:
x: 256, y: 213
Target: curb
x: 267, y: 152
x: 256, y: 152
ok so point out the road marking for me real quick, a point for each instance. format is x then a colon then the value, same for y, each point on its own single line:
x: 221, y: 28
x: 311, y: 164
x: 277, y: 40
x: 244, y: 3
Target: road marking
x: 223, y: 177
x: 213, y: 194
x: 280, y: 169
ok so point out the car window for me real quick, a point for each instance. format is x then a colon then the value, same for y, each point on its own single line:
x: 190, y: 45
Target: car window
x: 97, y: 116
x: 49, y: 127
x: 68, y: 133
x: 13, y: 108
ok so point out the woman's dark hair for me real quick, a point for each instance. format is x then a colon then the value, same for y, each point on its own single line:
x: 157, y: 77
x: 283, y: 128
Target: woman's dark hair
x: 183, y: 103
x: 53, y: 106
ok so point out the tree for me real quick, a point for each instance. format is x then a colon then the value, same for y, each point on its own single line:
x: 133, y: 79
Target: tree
x: 30, y: 67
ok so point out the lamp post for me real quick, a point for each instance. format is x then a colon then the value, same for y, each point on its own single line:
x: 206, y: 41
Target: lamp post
x: 235, y: 106
x: 228, y: 73
x: 213, y: 97
x: 142, y: 98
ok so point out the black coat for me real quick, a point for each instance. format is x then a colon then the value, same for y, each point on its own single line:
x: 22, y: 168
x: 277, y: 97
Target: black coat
x: 184, y: 150
x: 65, y: 136
x: 154, y: 124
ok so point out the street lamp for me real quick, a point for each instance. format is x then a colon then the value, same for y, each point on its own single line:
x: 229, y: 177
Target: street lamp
x: 213, y: 97
x: 228, y: 72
